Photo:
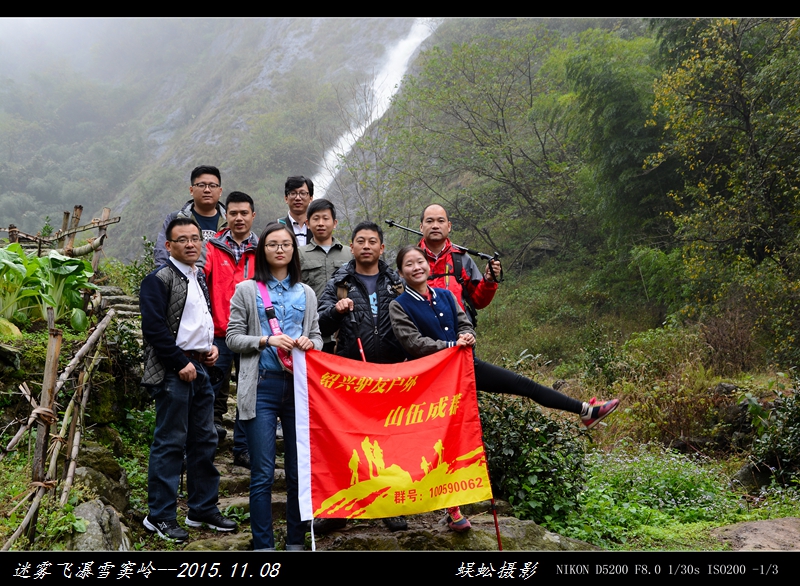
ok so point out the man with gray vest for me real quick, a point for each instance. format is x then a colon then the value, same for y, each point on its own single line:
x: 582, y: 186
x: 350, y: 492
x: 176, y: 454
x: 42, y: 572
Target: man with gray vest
x: 178, y: 334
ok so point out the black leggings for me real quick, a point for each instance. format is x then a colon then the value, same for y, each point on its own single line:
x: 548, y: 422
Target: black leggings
x: 493, y: 379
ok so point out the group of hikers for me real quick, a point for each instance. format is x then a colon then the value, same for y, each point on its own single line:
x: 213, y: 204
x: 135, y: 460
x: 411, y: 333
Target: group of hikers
x: 223, y: 296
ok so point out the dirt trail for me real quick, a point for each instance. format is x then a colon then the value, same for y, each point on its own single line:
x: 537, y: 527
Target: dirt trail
x: 769, y: 535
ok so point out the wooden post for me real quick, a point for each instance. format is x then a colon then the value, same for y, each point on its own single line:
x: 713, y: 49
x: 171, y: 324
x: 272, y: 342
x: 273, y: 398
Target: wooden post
x: 13, y: 234
x: 76, y: 220
x: 64, y: 226
x: 101, y: 231
x: 46, y: 401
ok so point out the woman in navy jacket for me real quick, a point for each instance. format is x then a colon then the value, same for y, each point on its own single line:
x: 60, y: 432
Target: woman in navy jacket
x: 426, y: 320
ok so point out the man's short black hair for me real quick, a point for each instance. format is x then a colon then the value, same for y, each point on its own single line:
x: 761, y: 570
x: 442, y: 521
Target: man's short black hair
x: 239, y: 197
x: 205, y: 170
x: 319, y: 205
x: 430, y: 205
x: 181, y: 221
x: 371, y: 226
x: 296, y: 182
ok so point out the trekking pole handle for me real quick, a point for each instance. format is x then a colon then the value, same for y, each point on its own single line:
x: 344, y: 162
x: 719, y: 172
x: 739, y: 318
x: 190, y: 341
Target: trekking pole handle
x: 480, y: 255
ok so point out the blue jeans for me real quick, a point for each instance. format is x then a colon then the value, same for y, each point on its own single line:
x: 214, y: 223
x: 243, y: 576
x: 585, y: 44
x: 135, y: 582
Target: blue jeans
x: 184, y: 417
x: 275, y: 399
x: 226, y: 359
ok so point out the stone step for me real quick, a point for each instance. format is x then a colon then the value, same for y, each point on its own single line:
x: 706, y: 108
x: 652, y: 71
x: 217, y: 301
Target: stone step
x: 115, y: 300
x: 128, y: 309
x: 108, y: 290
x: 131, y: 315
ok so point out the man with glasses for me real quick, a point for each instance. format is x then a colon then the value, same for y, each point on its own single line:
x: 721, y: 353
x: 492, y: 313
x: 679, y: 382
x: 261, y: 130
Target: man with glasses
x: 298, y: 193
x: 178, y: 334
x: 205, y: 185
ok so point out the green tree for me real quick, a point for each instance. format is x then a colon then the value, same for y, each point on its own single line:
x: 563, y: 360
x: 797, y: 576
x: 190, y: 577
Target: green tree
x: 612, y: 82
x: 732, y: 121
x: 478, y: 130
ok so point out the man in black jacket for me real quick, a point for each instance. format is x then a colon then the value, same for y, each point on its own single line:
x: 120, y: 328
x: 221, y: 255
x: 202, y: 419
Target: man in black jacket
x: 356, y: 303
x: 205, y: 185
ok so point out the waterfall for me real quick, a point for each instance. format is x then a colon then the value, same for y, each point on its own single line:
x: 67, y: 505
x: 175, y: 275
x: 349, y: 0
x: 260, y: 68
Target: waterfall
x: 384, y: 85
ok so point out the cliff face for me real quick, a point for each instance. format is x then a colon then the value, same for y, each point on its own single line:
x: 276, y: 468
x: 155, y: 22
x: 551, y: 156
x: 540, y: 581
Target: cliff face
x: 122, y: 117
x: 261, y: 101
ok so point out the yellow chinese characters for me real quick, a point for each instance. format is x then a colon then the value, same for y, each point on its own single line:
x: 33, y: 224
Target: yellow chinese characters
x: 340, y: 382
x: 444, y: 407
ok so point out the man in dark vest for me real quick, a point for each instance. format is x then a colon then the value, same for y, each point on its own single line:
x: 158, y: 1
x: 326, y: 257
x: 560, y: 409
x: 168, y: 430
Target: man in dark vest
x: 179, y: 350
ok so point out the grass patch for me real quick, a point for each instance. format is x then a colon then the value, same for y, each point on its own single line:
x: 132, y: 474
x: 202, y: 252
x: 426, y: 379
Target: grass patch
x: 646, y: 497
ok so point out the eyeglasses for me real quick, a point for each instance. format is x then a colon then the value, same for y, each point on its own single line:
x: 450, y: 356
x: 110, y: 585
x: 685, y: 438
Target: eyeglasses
x: 273, y: 246
x: 183, y: 240
x: 203, y: 186
x: 300, y: 194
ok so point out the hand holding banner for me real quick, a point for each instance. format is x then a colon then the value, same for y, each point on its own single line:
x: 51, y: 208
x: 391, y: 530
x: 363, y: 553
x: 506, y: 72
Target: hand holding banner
x: 383, y: 440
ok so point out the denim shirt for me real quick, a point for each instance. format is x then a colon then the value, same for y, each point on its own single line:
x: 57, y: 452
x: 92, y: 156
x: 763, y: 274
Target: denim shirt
x: 289, y: 303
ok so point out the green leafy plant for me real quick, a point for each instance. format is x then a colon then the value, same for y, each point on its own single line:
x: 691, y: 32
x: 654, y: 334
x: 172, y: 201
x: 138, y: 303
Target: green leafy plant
x: 123, y: 344
x: 57, y: 281
x: 57, y: 523
x: 238, y: 514
x: 65, y: 280
x: 47, y: 228
x: 535, y: 461
x: 21, y: 283
x: 778, y: 444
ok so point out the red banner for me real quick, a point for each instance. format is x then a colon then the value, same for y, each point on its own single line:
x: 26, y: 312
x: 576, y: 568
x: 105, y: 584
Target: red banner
x: 382, y: 440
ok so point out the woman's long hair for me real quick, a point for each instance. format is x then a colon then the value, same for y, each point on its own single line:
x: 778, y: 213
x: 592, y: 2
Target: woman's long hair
x: 262, y: 273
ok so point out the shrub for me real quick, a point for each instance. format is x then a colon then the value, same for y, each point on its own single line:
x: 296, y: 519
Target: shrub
x: 659, y: 352
x: 129, y: 277
x: 662, y: 378
x: 645, y: 485
x: 601, y: 357
x: 535, y: 461
x: 778, y: 445
x: 681, y: 408
x: 729, y: 333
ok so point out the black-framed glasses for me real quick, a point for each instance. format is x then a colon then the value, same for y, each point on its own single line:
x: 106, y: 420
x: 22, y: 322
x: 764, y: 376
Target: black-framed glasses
x: 273, y: 246
x: 203, y: 186
x: 183, y: 240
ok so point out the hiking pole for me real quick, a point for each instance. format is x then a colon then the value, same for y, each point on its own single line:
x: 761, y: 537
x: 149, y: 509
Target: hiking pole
x: 481, y: 255
x: 493, y: 505
x: 355, y: 323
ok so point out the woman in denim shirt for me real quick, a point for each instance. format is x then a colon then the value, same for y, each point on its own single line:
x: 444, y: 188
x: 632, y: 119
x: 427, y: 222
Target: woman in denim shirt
x: 266, y: 387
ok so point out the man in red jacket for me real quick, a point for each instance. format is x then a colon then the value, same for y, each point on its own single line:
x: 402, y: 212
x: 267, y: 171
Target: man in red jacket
x: 230, y: 259
x: 453, y: 269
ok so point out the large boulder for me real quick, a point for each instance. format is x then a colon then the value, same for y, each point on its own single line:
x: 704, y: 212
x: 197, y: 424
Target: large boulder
x: 103, y: 475
x: 104, y: 531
